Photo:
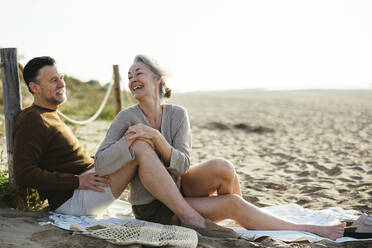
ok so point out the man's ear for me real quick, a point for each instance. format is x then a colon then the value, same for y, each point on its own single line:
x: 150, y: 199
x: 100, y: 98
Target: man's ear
x: 34, y: 87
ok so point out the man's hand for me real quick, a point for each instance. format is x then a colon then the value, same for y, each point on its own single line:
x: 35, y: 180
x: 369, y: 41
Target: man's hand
x: 90, y: 180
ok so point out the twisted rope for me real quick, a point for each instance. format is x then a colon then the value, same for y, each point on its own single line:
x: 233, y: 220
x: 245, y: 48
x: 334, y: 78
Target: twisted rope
x: 103, y: 103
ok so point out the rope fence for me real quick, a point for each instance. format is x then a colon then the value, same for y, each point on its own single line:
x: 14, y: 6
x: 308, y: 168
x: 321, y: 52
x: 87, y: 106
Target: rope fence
x: 103, y: 103
x: 93, y: 117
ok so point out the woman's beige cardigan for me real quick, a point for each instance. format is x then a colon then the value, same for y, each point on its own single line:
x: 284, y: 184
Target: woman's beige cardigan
x: 114, y: 153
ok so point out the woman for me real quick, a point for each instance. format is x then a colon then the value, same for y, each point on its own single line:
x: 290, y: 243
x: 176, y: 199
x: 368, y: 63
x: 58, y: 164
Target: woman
x: 151, y: 144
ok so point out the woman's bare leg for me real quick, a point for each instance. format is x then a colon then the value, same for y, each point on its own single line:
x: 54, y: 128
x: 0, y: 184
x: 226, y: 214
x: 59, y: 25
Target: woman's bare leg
x: 157, y: 181
x: 231, y: 206
x: 215, y: 175
x: 218, y: 175
x: 120, y: 179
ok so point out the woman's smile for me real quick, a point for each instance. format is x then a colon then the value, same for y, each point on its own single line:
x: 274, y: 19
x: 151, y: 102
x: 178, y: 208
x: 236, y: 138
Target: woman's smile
x: 137, y: 87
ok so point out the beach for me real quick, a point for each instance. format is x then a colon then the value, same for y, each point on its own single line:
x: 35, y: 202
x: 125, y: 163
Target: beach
x: 312, y: 148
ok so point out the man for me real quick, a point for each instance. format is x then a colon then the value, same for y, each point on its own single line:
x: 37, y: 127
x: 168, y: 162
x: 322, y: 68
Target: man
x: 48, y: 157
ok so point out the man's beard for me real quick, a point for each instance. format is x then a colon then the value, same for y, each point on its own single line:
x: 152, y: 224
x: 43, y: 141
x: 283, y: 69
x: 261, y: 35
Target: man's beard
x: 56, y: 100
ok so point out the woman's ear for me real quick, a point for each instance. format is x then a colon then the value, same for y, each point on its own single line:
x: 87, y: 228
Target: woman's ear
x: 158, y: 80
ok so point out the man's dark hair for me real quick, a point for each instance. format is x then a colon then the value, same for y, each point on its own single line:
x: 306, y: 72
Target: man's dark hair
x: 32, y: 68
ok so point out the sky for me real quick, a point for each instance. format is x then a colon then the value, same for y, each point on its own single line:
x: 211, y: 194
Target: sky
x: 203, y: 45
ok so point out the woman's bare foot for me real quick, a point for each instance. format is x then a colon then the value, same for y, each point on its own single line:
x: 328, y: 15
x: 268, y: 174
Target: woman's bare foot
x: 213, y: 230
x: 331, y: 232
x: 193, y: 220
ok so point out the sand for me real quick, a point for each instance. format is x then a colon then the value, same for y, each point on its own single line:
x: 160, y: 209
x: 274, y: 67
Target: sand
x: 312, y: 148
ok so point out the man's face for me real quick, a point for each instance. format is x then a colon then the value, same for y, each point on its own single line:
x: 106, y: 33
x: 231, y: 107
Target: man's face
x: 50, y: 88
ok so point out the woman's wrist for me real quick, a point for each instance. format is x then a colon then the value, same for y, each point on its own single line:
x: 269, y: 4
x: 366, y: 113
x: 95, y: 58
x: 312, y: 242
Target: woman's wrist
x: 157, y: 137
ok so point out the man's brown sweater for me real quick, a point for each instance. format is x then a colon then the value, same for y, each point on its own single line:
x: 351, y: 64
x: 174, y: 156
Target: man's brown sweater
x: 47, y: 156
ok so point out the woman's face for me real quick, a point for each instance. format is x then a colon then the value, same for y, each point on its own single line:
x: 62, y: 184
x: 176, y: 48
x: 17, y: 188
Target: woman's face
x: 142, y: 82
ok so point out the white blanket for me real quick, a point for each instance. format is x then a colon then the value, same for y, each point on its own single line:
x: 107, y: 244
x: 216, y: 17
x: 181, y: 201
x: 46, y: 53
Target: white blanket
x: 115, y: 214
x: 298, y: 214
x: 120, y: 210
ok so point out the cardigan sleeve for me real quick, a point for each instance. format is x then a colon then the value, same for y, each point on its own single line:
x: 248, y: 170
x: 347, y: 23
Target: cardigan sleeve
x: 114, y: 152
x: 181, y: 146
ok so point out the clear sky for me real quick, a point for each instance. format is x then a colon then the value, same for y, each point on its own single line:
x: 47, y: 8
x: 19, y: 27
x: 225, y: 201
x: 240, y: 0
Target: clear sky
x: 202, y: 44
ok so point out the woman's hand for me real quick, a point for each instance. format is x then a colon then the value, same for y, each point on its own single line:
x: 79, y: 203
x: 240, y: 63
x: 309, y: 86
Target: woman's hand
x: 152, y: 137
x: 141, y: 131
x: 130, y: 140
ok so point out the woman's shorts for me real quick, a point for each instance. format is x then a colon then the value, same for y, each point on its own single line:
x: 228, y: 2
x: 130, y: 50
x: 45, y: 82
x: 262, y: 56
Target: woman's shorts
x: 154, y: 211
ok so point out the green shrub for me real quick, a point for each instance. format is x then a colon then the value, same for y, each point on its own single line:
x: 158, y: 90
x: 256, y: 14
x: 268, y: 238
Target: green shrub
x: 31, y: 199
x: 5, y: 191
x: 108, y: 113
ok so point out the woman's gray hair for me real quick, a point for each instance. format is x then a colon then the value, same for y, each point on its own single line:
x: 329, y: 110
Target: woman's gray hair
x: 158, y: 72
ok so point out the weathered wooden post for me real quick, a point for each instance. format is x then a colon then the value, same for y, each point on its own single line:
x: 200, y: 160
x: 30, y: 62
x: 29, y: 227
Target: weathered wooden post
x: 118, y: 101
x: 12, y: 101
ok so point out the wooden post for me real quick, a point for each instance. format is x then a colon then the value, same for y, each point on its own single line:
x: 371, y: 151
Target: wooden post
x: 12, y: 101
x: 117, y: 89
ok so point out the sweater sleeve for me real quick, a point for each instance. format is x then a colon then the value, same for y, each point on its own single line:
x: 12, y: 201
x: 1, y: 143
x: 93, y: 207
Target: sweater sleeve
x: 28, y: 150
x: 181, y: 147
x: 114, y: 152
